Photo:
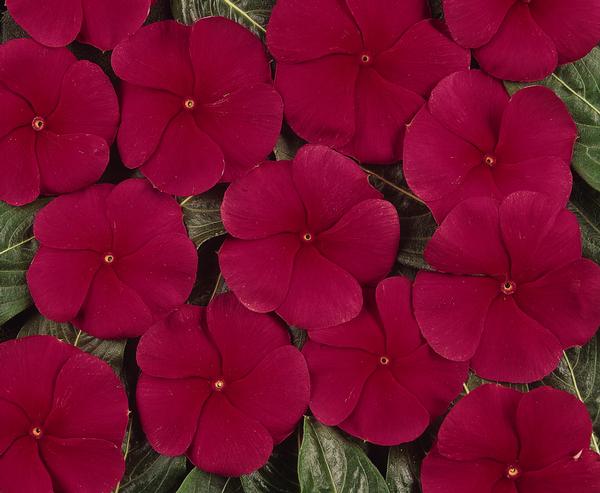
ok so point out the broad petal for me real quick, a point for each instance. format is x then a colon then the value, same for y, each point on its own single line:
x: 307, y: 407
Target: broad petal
x: 245, y: 124
x: 337, y: 377
x: 59, y: 281
x: 319, y: 98
x: 70, y: 162
x: 187, y: 161
x: 20, y: 182
x: 386, y: 413
x: 321, y: 294
x: 263, y: 203
x: 242, y: 337
x: 383, y: 109
x: 553, y: 425
x: 52, y: 23
x: 87, y: 104
x: 21, y: 469
x: 169, y: 410
x: 228, y: 442
x: 275, y: 393
x: 329, y: 184
x: 364, y: 241
x: 565, y: 476
x: 158, y: 57
x: 482, y: 426
x: 565, y: 301
x: 259, y: 271
x: 422, y: 56
x: 514, y: 347
x: 178, y: 347
x: 301, y: 30
x: 83, y: 464
x: 467, y: 298
x: 15, y: 424
x: 520, y: 50
x: 15, y: 112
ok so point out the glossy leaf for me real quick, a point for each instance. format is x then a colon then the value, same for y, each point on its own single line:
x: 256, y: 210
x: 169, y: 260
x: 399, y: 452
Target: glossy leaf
x: 585, y: 204
x: 415, y: 233
x: 202, y: 216
x: 199, y: 481
x: 403, y: 466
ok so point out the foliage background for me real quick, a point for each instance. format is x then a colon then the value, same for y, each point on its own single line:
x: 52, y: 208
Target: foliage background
x: 317, y: 458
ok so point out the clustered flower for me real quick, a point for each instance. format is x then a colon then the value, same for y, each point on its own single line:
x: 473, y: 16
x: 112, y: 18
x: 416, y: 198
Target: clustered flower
x: 310, y: 242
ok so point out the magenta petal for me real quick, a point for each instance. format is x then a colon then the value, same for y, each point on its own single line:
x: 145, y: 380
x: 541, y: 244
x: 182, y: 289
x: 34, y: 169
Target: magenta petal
x: 228, y: 442
x: 263, y: 203
x: 329, y: 185
x: 259, y: 271
x: 169, y: 411
x: 565, y: 301
x: 187, y: 161
x: 83, y: 464
x: 301, y: 30
x: 520, y: 50
x: 20, y: 182
x: 319, y: 100
x: 15, y: 112
x: 552, y: 425
x: 275, y: 393
x: 15, y: 424
x: 364, y: 241
x: 337, y: 377
x: 229, y: 323
x: 51, y: 22
x: 467, y: 298
x: 103, y: 29
x: 514, y: 347
x: 157, y: 56
x: 321, y: 294
x: 178, y: 347
x: 70, y: 162
x: 59, y: 281
x: 565, y: 476
x: 482, y: 426
x: 505, y: 485
x: 245, y: 124
x: 21, y: 469
x: 386, y: 414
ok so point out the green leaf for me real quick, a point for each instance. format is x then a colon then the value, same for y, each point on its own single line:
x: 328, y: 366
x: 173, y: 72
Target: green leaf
x: 17, y: 247
x: 578, y: 85
x: 202, y: 216
x: 415, y: 233
x: 253, y: 14
x: 199, y: 481
x: 402, y: 474
x: 330, y: 463
x: 585, y: 204
x: 111, y: 351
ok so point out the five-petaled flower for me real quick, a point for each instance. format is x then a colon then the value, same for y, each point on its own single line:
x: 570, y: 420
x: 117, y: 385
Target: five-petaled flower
x: 502, y: 441
x: 472, y: 140
x: 524, y: 39
x: 111, y: 259
x: 100, y: 23
x: 198, y: 103
x: 59, y: 117
x: 221, y: 384
x: 352, y: 73
x: 375, y: 377
x: 306, y: 234
x: 63, y: 415
x: 513, y: 291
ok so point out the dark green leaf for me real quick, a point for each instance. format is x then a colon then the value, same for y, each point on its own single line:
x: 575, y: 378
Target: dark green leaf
x: 415, y: 233
x: 402, y: 474
x: 578, y: 85
x: 585, y: 204
x: 199, y: 481
x: 202, y: 216
x: 328, y: 462
x: 17, y: 248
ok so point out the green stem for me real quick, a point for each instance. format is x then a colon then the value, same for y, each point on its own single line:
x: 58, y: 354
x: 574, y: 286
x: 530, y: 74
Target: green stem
x: 12, y: 247
x: 398, y: 188
x: 233, y: 6
x: 467, y: 391
x: 77, y: 338
x: 185, y: 201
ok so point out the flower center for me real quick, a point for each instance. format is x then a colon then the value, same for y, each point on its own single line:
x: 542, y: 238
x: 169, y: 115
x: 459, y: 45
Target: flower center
x: 384, y: 361
x: 36, y: 432
x: 218, y: 385
x: 513, y: 472
x: 38, y: 123
x: 489, y: 160
x: 109, y: 258
x: 365, y: 58
x: 189, y: 104
x: 307, y: 237
x: 508, y: 287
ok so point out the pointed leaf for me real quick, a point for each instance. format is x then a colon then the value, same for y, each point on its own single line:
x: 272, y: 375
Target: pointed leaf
x: 403, y: 466
x: 202, y: 216
x: 585, y: 204
x: 199, y: 481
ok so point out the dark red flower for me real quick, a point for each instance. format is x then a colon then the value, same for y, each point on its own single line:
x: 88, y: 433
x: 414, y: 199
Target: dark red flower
x: 524, y: 39
x: 100, y: 23
x: 306, y: 234
x: 472, y: 140
x: 198, y: 103
x: 499, y: 440
x: 59, y: 117
x: 63, y: 415
x: 220, y: 384
x: 111, y: 259
x: 513, y: 291
x: 375, y: 377
x: 352, y: 73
